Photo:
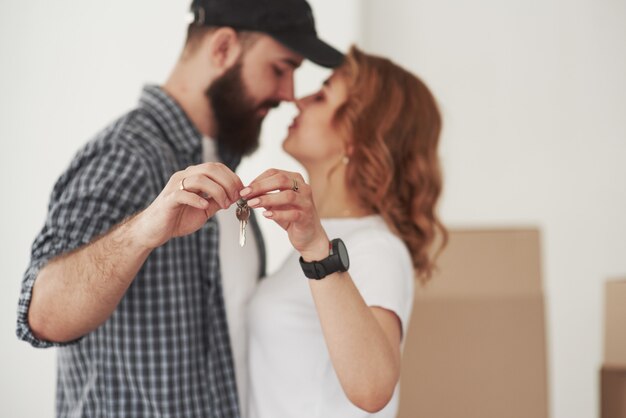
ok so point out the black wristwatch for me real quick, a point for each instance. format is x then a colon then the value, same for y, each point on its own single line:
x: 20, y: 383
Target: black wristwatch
x: 338, y: 260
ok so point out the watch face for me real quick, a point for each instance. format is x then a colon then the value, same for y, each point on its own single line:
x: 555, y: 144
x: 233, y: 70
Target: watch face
x: 343, y: 254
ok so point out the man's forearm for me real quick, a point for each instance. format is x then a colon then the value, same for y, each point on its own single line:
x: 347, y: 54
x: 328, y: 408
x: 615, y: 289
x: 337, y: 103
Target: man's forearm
x: 75, y: 293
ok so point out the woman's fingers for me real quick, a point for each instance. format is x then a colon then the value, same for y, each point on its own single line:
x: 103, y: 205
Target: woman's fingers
x: 292, y: 207
x: 285, y: 198
x: 284, y: 217
x: 265, y: 174
x: 274, y: 180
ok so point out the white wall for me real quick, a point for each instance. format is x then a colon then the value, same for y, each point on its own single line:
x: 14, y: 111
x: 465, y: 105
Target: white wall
x: 67, y: 69
x: 534, y: 99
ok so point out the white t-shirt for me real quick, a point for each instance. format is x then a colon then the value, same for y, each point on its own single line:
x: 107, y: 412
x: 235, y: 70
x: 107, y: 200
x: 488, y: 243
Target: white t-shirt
x: 291, y: 374
x: 240, y: 272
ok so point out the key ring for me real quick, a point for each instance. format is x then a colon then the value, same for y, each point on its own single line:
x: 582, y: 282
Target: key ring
x: 243, y: 214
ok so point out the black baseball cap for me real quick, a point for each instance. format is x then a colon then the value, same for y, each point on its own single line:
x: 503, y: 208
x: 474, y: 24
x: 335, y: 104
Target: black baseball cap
x: 288, y: 21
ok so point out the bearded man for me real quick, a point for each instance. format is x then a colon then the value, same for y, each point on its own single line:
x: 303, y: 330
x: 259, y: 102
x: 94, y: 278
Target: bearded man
x: 134, y: 276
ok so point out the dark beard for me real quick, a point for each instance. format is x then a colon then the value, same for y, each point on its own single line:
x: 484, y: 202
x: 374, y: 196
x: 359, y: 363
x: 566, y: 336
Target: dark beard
x: 238, y: 124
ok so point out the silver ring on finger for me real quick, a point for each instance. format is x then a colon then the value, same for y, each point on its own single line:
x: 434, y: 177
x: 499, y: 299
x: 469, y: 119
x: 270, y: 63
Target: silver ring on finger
x: 181, y: 186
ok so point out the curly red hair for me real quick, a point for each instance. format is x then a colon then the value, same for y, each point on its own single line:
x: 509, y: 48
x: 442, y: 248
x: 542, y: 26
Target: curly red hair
x: 393, y: 123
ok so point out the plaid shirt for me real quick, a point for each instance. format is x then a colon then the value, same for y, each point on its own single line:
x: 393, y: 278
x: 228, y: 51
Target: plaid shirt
x: 165, y: 350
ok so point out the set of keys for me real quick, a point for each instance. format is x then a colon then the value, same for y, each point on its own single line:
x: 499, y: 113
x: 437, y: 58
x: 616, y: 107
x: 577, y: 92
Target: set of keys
x: 243, y: 214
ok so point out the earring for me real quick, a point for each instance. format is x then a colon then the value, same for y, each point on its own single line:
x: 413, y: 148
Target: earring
x: 345, y: 160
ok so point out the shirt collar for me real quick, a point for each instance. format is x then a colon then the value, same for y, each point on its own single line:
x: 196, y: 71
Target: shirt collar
x: 178, y: 128
x: 172, y: 119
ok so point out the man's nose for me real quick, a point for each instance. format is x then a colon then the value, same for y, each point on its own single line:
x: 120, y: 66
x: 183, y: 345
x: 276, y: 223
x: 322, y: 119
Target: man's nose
x: 286, y: 90
x: 300, y: 103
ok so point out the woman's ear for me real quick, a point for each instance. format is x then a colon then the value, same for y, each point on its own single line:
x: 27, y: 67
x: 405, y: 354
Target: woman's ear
x: 224, y: 49
x: 349, y: 149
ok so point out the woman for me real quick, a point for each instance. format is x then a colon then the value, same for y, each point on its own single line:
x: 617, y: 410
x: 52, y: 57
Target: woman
x: 331, y: 347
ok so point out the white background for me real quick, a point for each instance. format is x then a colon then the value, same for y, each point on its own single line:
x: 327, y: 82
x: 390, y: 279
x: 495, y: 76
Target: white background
x: 533, y: 95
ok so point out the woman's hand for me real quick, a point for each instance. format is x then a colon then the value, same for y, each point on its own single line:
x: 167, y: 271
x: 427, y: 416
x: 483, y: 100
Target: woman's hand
x: 288, y: 201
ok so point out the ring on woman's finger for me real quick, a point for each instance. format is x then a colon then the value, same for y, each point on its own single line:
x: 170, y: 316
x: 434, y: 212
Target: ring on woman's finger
x: 181, y: 186
x: 295, y: 187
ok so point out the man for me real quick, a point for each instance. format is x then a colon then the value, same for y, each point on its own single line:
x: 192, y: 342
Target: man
x: 126, y: 276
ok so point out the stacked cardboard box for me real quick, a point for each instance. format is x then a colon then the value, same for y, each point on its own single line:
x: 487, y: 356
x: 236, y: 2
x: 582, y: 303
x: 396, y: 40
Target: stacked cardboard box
x: 476, y: 343
x: 613, y: 372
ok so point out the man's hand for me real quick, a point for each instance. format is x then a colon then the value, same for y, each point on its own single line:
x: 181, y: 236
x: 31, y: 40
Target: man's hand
x: 190, y: 197
x: 76, y: 292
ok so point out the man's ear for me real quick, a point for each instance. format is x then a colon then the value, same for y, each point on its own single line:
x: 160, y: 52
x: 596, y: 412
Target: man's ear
x: 224, y: 49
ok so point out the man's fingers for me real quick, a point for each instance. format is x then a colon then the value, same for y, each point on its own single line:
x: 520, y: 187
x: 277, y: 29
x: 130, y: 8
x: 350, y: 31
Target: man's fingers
x: 199, y: 184
x: 220, y: 174
x: 191, y: 199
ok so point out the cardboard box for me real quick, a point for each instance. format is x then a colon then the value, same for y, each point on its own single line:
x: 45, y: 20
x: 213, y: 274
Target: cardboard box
x: 612, y: 393
x: 476, y: 344
x: 613, y: 371
x: 615, y: 323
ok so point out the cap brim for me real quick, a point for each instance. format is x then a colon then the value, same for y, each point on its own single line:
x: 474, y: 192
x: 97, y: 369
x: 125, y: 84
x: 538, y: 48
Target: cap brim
x: 312, y: 48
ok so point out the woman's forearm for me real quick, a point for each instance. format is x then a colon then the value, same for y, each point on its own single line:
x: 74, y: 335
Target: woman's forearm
x: 363, y: 342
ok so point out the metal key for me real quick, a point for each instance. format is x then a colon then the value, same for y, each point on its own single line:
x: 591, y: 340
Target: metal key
x: 243, y: 214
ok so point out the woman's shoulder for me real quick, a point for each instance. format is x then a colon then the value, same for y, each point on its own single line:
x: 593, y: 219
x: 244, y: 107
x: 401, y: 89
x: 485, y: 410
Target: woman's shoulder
x: 370, y: 236
x: 374, y: 229
x: 381, y: 266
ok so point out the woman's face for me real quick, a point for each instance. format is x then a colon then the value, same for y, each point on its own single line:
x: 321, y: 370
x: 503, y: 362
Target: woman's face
x: 313, y: 139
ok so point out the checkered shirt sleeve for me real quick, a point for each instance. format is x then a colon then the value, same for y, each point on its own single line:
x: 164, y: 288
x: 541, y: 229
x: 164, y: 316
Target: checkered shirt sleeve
x: 165, y: 350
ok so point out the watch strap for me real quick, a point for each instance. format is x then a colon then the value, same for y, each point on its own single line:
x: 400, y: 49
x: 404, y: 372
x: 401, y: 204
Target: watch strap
x: 313, y: 270
x: 319, y: 269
